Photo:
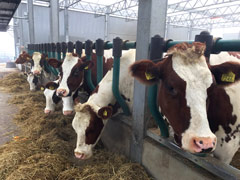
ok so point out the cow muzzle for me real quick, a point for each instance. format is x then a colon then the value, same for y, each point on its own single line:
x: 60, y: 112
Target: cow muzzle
x: 62, y: 92
x: 82, y: 156
x: 202, y: 144
x: 36, y: 72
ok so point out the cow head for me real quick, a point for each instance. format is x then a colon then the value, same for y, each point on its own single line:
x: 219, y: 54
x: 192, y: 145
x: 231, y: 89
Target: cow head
x: 32, y: 80
x: 23, y: 58
x: 50, y: 95
x: 184, y: 80
x: 36, y: 60
x: 71, y: 73
x: 88, y: 123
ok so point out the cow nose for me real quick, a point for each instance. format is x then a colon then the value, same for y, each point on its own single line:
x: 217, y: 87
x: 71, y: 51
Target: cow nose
x: 67, y: 113
x: 203, y: 144
x: 61, y: 92
x: 79, y: 155
x: 36, y: 72
x: 46, y: 111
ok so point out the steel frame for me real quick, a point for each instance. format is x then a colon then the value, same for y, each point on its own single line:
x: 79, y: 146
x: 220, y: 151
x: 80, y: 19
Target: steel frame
x: 188, y: 13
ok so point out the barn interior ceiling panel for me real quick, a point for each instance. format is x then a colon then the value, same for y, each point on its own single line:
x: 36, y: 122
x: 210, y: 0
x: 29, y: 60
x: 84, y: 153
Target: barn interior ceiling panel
x: 7, y: 10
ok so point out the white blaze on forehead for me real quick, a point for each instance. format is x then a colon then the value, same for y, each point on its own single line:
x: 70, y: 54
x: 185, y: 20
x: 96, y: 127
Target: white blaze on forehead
x: 198, y: 78
x: 36, y: 59
x: 68, y: 63
x: 50, y: 105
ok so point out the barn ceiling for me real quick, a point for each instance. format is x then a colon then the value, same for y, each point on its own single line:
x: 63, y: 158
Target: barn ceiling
x: 208, y: 14
x: 7, y: 10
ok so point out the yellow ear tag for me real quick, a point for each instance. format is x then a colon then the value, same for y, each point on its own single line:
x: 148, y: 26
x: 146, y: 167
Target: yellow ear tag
x: 86, y: 67
x: 42, y: 88
x: 228, y: 77
x: 28, y: 58
x: 105, y: 113
x: 149, y: 76
x: 51, y: 87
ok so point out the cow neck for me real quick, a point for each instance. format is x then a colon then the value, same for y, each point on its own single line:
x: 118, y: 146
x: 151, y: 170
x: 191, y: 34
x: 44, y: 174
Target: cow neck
x: 225, y: 123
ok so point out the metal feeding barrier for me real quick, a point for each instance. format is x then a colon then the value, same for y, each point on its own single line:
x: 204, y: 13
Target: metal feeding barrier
x: 157, y: 47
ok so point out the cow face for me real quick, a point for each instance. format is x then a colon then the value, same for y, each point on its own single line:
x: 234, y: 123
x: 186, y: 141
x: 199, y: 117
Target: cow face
x: 88, y: 123
x: 38, y: 62
x: 71, y: 73
x: 32, y: 80
x: 50, y: 95
x: 184, y: 80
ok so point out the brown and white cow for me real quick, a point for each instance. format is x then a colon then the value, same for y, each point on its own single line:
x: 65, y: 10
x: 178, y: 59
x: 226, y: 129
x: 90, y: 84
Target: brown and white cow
x: 91, y: 117
x: 72, y: 78
x: 38, y: 74
x: 200, y: 101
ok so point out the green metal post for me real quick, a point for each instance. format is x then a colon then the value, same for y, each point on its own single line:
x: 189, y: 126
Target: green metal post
x: 88, y: 75
x: 156, y: 52
x: 117, y: 53
x: 99, y: 45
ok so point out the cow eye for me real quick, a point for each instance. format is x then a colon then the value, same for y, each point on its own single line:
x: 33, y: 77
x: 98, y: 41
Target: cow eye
x: 171, y: 90
x: 76, y: 72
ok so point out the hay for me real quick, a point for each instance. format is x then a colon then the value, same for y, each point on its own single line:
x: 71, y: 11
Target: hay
x: 45, y: 147
x: 39, y: 166
x: 14, y: 83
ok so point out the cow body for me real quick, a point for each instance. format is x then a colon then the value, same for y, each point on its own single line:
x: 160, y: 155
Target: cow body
x: 223, y: 113
x: 199, y: 103
x: 92, y: 116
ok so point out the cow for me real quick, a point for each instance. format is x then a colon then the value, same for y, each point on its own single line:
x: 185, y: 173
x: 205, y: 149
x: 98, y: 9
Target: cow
x: 200, y: 100
x: 38, y: 75
x: 92, y: 116
x: 72, y: 78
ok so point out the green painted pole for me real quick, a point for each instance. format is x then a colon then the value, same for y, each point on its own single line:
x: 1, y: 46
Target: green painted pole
x: 88, y: 74
x: 117, y: 53
x: 99, y: 45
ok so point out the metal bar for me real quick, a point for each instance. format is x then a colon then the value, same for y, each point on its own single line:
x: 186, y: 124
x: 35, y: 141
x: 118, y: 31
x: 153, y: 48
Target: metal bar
x: 58, y: 48
x: 54, y: 20
x: 156, y: 52
x: 88, y: 51
x: 227, y: 45
x: 150, y: 22
x: 99, y: 45
x: 217, y: 168
x: 31, y: 21
x: 128, y: 45
x: 117, y: 53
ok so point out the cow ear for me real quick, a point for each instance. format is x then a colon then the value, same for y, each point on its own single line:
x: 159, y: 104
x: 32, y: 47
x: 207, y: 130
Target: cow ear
x: 20, y: 60
x: 226, y: 73
x: 54, y: 63
x: 87, y: 65
x: 146, y: 71
x: 105, y: 112
x: 51, y: 85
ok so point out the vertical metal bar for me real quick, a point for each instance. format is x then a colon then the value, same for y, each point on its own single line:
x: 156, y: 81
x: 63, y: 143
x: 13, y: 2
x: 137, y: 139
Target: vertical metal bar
x: 66, y: 24
x: 64, y: 49
x: 88, y: 51
x: 99, y: 52
x: 58, y: 51
x: 70, y: 47
x: 78, y: 47
x: 151, y: 20
x: 156, y: 52
x: 53, y: 46
x: 31, y: 21
x: 54, y: 20
x: 117, y: 53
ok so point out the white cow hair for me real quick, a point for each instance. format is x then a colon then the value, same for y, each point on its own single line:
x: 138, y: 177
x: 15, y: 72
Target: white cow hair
x: 30, y: 78
x: 67, y: 103
x: 103, y: 98
x: 198, y: 78
x: 36, y: 59
x: 48, y: 93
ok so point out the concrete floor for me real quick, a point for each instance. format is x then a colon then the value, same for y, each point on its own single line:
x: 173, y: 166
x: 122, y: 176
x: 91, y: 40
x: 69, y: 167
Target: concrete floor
x: 7, y: 128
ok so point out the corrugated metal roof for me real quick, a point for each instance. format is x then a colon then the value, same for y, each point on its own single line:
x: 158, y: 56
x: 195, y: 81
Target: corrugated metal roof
x: 7, y: 10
